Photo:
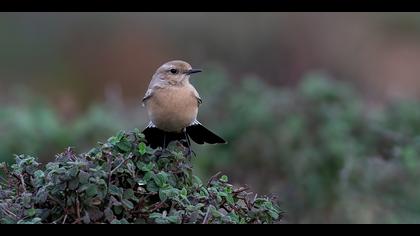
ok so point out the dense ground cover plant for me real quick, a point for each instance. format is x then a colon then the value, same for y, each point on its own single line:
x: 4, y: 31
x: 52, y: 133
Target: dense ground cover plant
x: 125, y: 181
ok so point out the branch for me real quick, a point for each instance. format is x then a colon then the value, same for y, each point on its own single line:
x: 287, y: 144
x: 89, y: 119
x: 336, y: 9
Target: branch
x: 23, y: 183
x: 77, y: 207
x: 240, y: 190
x: 56, y: 200
x: 213, y: 178
x: 7, y: 212
x: 207, y: 216
x: 122, y: 163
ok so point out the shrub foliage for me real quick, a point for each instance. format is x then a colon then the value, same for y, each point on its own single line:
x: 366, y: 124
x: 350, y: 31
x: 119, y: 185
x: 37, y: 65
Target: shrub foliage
x: 125, y: 181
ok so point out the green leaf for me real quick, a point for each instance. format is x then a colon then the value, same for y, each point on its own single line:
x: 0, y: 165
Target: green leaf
x: 91, y: 190
x: 26, y: 200
x: 152, y: 187
x: 35, y: 220
x: 41, y: 196
x: 141, y: 182
x: 155, y: 215
x: 138, y: 133
x: 83, y: 177
x: 115, y: 190
x: 72, y: 172
x: 233, y: 217
x: 113, y: 140
x: 229, y: 199
x: 142, y: 148
x: 228, y: 190
x: 161, y: 179
x: 215, y: 212
x: 222, y: 194
x: 204, y: 192
x: 119, y: 222
x: 148, y: 176
x: 127, y: 204
x: 109, y: 215
x: 197, y: 181
x: 39, y: 178
x: 73, y: 184
x: 174, y: 219
x: 124, y: 145
x: 145, y: 167
x: 129, y: 194
x: 183, y: 192
x: 224, y: 179
x: 31, y: 212
x: 39, y: 174
x: 118, y: 209
x: 273, y: 214
x: 163, y: 196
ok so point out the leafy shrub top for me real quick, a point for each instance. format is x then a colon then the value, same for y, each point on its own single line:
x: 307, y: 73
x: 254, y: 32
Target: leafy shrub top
x: 125, y: 181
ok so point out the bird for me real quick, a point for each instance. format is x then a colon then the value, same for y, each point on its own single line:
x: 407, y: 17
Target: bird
x: 172, y: 105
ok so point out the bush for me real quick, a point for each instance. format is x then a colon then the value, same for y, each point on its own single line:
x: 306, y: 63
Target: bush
x: 125, y: 181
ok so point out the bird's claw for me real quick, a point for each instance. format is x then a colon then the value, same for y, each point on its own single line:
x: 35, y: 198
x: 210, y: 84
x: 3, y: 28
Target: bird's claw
x: 190, y: 153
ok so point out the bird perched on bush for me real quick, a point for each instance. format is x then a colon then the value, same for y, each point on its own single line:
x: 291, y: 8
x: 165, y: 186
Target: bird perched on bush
x: 172, y: 103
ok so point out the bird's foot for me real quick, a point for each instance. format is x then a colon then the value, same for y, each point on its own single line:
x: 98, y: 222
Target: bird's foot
x: 162, y: 152
x: 158, y: 153
x: 190, y: 153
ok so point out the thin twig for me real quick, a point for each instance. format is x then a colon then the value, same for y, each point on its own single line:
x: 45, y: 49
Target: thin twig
x: 57, y: 220
x: 7, y: 212
x: 122, y: 163
x: 240, y: 190
x: 77, y: 206
x: 109, y: 170
x: 64, y: 220
x: 153, y: 208
x: 157, y: 206
x: 56, y: 200
x: 23, y: 183
x: 4, y: 181
x: 207, y: 216
x: 77, y: 221
x: 213, y: 178
x: 2, y: 178
x: 255, y: 198
x: 5, y: 169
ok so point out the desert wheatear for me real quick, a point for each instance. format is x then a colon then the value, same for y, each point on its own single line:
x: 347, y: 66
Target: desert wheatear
x: 172, y: 104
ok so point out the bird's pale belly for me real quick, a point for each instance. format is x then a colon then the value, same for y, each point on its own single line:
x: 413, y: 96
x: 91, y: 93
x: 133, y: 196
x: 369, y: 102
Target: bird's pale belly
x: 172, y: 109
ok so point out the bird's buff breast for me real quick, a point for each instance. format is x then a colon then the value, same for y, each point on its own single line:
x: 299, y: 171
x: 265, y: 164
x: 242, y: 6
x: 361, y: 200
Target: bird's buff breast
x: 172, y: 109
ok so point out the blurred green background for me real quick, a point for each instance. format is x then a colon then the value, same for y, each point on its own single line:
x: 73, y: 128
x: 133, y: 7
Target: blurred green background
x: 322, y: 109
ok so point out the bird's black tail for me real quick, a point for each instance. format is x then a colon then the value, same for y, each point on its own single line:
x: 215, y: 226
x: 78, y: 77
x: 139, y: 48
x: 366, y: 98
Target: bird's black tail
x: 158, y: 138
x: 197, y: 132
x: 201, y: 134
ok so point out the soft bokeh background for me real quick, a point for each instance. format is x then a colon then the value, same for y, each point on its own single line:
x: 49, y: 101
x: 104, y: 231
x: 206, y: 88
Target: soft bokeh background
x: 322, y: 109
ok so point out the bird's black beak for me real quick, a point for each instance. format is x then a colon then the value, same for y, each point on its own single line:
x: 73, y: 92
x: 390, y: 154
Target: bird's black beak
x: 193, y: 71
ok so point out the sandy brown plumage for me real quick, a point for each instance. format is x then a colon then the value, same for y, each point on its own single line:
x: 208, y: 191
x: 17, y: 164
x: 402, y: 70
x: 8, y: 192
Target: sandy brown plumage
x: 172, y: 104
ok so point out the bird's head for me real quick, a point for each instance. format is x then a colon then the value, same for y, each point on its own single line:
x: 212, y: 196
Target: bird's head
x: 175, y: 72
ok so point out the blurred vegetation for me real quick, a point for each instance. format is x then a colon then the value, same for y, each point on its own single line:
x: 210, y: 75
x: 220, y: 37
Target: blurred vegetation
x: 38, y: 130
x: 329, y: 155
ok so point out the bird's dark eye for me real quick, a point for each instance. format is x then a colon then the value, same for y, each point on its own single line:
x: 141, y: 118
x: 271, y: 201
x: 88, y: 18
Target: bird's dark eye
x: 174, y: 71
